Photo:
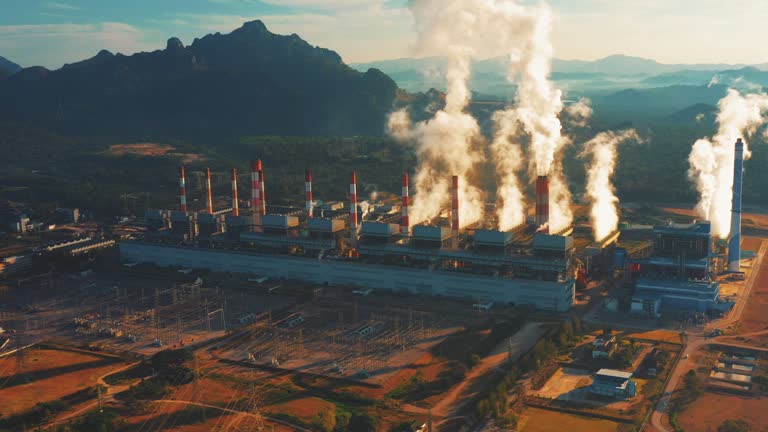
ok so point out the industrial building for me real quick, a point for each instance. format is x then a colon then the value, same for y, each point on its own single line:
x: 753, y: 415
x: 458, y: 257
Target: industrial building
x: 369, y: 245
x: 613, y: 383
x: 680, y: 275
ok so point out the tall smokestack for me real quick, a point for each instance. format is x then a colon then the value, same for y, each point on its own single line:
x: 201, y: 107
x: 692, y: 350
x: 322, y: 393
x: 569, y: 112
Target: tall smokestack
x: 455, y: 212
x: 209, y: 198
x: 261, y: 184
x: 353, y: 208
x: 542, y: 202
x: 256, y: 192
x: 308, y: 192
x: 734, y: 246
x: 404, y: 222
x: 182, y: 189
x: 235, y: 205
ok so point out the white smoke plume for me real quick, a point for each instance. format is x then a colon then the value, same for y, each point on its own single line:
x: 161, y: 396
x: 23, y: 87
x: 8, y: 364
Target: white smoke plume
x: 578, y: 114
x: 538, y: 104
x: 711, y: 159
x: 602, y: 150
x: 560, y: 199
x: 508, y: 157
x: 460, y: 30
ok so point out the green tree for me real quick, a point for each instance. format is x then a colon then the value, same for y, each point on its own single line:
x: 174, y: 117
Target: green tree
x: 738, y: 425
x: 693, y: 384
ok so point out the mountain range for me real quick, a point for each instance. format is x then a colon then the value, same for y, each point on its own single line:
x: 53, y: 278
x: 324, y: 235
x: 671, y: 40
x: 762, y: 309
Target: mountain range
x: 8, y: 67
x: 608, y: 74
x: 249, y: 81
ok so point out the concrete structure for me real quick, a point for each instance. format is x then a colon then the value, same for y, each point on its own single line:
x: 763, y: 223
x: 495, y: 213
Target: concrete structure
x: 353, y: 224
x: 678, y: 277
x: 492, y: 239
x: 209, y: 224
x: 734, y: 246
x: 405, y: 223
x: 545, y: 295
x: 654, y: 295
x: 308, y: 192
x: 157, y: 219
x: 455, y: 213
x: 235, y: 200
x: 604, y: 347
x: 279, y: 224
x: 378, y: 232
x: 431, y: 237
x: 613, y: 383
x: 542, y: 203
x: 209, y: 192
x: 322, y: 227
x: 262, y: 181
x: 256, y: 192
x: 182, y: 189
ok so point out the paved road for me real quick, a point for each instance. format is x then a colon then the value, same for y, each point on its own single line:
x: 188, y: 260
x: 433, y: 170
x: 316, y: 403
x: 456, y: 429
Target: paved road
x: 522, y: 341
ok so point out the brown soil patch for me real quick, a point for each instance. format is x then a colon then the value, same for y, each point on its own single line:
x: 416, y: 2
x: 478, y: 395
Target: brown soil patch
x: 754, y: 318
x: 700, y: 416
x: 150, y: 150
x: 140, y: 149
x: 657, y: 335
x: 48, y: 375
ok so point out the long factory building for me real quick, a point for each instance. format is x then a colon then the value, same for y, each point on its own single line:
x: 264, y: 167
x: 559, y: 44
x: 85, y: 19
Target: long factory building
x: 546, y: 295
x: 526, y: 266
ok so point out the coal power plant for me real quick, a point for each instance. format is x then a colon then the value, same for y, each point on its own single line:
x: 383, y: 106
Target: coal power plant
x: 366, y: 244
x: 372, y: 244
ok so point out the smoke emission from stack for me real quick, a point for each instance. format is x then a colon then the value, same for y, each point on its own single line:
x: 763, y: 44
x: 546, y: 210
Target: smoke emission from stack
x: 712, y: 159
x: 579, y: 114
x: 538, y: 104
x: 602, y: 150
x: 448, y: 143
x: 508, y: 158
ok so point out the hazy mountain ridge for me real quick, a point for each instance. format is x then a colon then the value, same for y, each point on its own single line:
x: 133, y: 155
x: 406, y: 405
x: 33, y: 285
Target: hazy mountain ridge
x: 249, y: 81
x: 604, y: 75
x: 8, y: 67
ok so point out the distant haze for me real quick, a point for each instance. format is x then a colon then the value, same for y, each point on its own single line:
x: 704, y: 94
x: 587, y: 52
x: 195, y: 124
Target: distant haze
x: 685, y: 31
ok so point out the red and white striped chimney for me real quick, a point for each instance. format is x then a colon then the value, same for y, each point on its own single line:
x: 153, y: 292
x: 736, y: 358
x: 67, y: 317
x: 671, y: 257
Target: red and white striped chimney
x: 455, y: 212
x: 261, y: 184
x: 235, y: 205
x: 256, y: 192
x: 353, y: 208
x: 308, y: 191
x: 404, y: 221
x: 182, y: 189
x: 542, y: 203
x: 209, y: 198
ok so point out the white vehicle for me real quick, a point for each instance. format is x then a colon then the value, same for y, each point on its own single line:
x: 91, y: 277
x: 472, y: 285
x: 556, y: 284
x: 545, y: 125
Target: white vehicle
x: 260, y: 280
x: 363, y: 292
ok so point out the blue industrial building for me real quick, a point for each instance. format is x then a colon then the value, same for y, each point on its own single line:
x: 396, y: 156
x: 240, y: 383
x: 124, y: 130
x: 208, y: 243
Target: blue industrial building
x: 679, y: 275
x: 613, y: 383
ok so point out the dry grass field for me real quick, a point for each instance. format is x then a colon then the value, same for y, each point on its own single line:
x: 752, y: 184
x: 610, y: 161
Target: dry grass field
x: 539, y: 420
x: 47, y: 375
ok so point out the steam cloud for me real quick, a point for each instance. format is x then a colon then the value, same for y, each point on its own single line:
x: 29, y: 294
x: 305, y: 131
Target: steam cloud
x: 538, y: 104
x: 602, y: 149
x: 711, y: 159
x: 448, y: 143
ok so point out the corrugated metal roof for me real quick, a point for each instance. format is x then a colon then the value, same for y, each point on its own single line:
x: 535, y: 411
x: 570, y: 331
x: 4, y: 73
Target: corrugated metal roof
x: 492, y: 237
x: 614, y: 373
x: 379, y: 229
x: 325, y: 225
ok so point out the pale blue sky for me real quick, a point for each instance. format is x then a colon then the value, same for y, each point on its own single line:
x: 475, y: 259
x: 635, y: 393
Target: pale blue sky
x: 50, y: 33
